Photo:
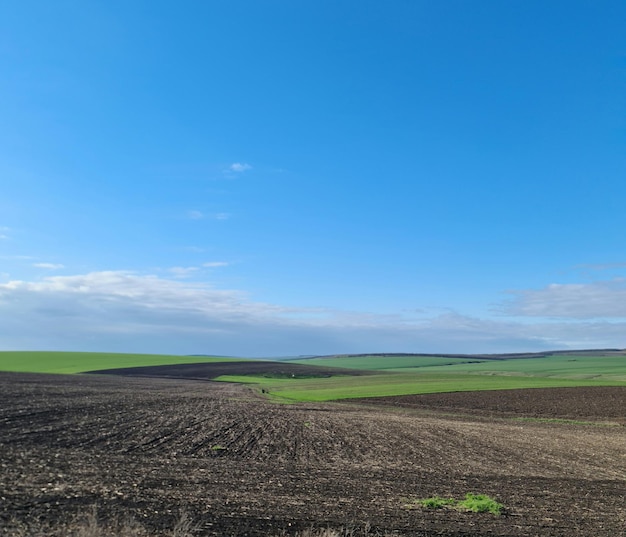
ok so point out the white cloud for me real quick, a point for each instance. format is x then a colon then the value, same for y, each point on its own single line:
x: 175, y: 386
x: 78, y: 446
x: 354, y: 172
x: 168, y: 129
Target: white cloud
x: 183, y: 272
x: 199, y: 215
x: 239, y: 167
x: 125, y: 311
x: 49, y: 266
x: 215, y: 264
x: 195, y: 215
x: 603, y: 299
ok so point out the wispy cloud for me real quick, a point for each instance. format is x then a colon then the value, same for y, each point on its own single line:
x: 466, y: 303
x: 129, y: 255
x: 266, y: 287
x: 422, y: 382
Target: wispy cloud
x: 130, y: 312
x: 49, y: 266
x: 4, y: 233
x: 597, y: 300
x: 183, y: 272
x: 199, y: 215
x: 239, y: 167
x: 195, y: 215
x: 215, y: 264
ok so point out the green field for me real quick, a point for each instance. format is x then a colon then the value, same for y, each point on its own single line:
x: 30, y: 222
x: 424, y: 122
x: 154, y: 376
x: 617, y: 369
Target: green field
x: 558, y: 366
x: 561, y: 365
x: 341, y: 387
x: 79, y: 362
x: 404, y: 375
x: 395, y: 375
x: 382, y: 363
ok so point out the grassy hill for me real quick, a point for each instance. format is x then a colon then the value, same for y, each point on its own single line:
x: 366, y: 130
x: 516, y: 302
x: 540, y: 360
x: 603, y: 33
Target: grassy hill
x: 80, y: 362
x: 418, y: 374
x: 397, y: 374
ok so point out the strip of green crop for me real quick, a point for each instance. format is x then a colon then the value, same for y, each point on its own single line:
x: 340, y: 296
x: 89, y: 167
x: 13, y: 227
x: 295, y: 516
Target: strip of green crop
x: 79, y: 362
x: 346, y: 387
x: 381, y: 362
x: 562, y: 366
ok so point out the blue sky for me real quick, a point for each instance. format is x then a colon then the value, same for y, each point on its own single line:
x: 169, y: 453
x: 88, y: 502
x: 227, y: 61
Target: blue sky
x: 294, y: 177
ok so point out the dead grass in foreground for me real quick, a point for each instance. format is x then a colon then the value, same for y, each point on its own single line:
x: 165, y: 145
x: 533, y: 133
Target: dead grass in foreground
x: 90, y: 526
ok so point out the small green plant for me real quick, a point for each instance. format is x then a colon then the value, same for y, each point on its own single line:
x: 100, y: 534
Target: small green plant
x: 476, y: 503
x: 436, y: 502
x: 218, y: 448
x: 480, y: 503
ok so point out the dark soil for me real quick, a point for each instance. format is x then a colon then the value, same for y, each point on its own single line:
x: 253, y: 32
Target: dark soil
x: 240, y: 465
x: 597, y: 403
x: 211, y: 370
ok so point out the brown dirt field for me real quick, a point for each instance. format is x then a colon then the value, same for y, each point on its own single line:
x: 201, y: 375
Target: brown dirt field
x: 211, y: 370
x: 240, y: 465
x: 594, y: 403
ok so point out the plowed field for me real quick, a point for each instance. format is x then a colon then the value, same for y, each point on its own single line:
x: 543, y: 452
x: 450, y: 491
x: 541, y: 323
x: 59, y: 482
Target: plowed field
x: 240, y: 465
x: 211, y: 370
x: 602, y: 403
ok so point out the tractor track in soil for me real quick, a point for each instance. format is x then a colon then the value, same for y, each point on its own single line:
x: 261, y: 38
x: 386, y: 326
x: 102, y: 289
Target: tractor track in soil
x: 241, y: 465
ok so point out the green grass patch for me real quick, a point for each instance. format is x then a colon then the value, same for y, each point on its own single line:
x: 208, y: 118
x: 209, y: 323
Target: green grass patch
x: 475, y: 503
x: 389, y: 384
x: 381, y: 363
x: 480, y: 503
x: 294, y: 375
x: 79, y: 362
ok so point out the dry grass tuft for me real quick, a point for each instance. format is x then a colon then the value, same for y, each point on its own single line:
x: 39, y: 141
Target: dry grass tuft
x: 88, y: 525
